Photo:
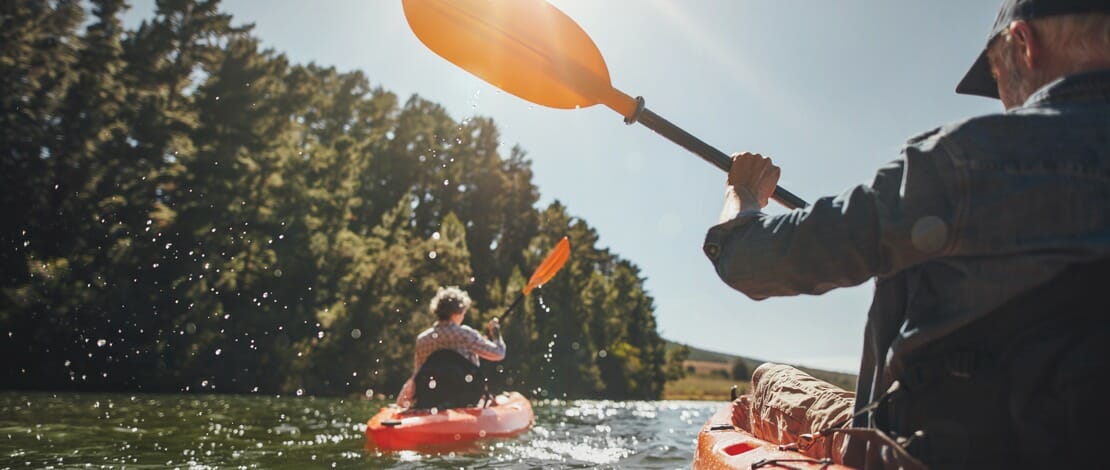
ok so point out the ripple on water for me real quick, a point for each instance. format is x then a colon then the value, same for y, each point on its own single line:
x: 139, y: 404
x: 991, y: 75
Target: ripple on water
x: 215, y: 431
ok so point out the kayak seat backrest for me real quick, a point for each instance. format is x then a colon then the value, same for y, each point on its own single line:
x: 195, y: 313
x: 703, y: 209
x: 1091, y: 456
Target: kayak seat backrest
x: 448, y: 380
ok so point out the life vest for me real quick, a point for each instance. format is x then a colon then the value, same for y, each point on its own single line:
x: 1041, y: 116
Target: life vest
x: 448, y: 380
x: 1021, y: 386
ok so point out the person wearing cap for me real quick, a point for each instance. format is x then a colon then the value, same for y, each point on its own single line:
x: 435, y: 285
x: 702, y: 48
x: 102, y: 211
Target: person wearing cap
x: 988, y: 340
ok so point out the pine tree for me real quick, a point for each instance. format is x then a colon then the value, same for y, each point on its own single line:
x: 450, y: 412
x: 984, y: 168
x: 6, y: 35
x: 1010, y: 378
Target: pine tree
x: 191, y: 212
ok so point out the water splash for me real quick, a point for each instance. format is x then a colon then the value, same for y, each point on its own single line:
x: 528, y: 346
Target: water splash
x: 216, y: 431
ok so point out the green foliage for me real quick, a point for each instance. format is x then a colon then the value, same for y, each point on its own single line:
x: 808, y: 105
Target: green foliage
x: 740, y: 370
x: 186, y: 211
x: 676, y: 357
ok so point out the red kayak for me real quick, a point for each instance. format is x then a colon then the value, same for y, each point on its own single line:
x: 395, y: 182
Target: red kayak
x: 396, y: 428
x: 722, y: 446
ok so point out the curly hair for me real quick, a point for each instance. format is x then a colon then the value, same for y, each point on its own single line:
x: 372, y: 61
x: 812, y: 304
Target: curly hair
x: 448, y: 301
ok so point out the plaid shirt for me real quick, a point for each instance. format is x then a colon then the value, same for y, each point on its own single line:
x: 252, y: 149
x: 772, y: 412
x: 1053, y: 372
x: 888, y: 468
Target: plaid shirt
x: 447, y: 335
x: 461, y: 338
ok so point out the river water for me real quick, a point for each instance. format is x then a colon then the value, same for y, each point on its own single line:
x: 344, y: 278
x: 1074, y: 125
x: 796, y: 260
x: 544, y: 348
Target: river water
x: 71, y: 430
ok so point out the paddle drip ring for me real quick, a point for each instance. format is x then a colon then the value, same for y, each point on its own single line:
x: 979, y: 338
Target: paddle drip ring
x: 630, y: 120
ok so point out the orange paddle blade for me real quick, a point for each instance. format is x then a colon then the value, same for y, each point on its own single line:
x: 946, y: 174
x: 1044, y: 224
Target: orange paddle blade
x: 528, y: 48
x: 550, y: 265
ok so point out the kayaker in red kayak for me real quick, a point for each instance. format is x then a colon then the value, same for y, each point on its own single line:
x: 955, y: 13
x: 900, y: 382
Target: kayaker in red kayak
x: 449, y: 334
x: 988, y: 343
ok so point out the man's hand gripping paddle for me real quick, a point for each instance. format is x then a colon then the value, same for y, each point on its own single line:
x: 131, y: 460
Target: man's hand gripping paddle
x: 533, y: 50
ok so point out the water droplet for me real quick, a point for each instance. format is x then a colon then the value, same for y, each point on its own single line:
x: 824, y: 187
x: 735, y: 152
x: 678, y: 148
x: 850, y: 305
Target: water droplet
x: 435, y: 236
x: 100, y: 343
x: 300, y: 391
x: 432, y: 255
x: 432, y: 384
x: 469, y: 378
x: 356, y: 333
x: 369, y: 393
x: 219, y: 351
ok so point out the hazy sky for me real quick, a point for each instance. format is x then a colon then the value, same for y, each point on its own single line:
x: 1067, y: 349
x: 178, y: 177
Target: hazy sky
x: 829, y: 89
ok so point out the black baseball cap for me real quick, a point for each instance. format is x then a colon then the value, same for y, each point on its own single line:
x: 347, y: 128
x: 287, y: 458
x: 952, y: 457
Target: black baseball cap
x: 978, y: 80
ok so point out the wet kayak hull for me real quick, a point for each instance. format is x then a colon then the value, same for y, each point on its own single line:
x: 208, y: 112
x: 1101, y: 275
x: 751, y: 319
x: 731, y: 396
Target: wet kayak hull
x: 397, y: 429
x: 723, y: 446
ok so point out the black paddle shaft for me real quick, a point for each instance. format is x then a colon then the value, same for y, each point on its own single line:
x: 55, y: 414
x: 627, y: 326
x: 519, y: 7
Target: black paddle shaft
x: 707, y: 152
x: 511, y: 307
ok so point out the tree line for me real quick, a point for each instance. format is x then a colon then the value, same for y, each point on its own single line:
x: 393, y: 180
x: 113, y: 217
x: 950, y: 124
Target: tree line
x: 187, y: 211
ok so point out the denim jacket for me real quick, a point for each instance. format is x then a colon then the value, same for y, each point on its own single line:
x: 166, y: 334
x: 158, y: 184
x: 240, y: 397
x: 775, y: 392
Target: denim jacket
x: 971, y: 215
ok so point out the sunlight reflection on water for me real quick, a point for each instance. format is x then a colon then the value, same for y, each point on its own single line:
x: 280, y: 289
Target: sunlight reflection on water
x: 68, y: 430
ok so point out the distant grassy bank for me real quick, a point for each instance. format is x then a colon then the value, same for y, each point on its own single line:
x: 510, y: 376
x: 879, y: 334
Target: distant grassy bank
x: 702, y: 387
x: 708, y: 376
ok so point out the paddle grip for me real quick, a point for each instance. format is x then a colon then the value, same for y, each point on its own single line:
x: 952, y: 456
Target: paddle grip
x: 705, y: 151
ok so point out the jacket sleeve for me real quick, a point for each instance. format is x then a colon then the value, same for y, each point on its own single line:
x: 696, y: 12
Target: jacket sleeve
x: 903, y: 217
x: 485, y: 348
